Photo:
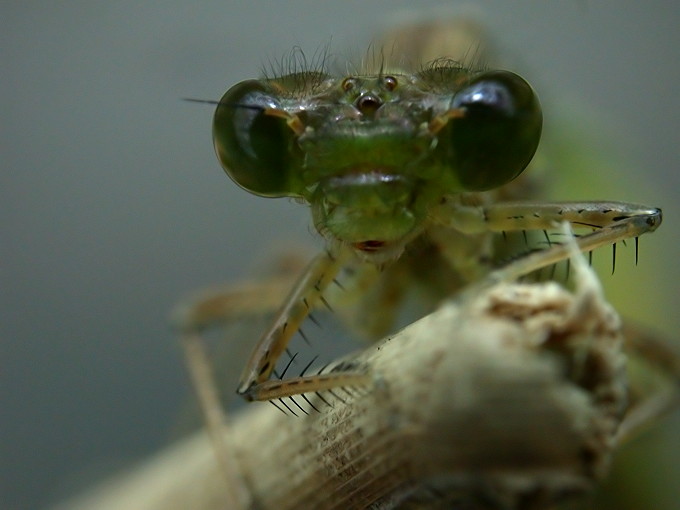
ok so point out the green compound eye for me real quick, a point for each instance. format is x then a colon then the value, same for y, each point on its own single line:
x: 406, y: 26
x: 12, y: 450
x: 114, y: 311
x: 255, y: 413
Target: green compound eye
x: 498, y: 130
x: 254, y: 148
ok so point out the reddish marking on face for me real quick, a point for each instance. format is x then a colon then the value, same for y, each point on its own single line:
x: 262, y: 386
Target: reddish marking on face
x: 372, y: 245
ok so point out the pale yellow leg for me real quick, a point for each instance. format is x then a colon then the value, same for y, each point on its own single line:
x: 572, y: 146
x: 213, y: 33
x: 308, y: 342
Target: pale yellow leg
x: 611, y: 221
x: 254, y: 383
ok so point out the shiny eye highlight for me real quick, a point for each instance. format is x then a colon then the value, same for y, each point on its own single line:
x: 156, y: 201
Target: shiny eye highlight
x: 390, y: 83
x: 497, y: 131
x: 254, y: 147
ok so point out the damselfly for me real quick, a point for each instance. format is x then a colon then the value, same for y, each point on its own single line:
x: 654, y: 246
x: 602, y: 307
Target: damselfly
x: 411, y: 177
x: 420, y: 180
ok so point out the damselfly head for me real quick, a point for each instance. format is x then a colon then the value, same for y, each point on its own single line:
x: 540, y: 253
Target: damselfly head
x: 372, y: 154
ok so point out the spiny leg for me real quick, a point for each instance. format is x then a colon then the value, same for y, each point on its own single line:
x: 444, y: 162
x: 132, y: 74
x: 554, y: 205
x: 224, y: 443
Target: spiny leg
x: 216, y: 307
x: 308, y: 291
x: 612, y: 222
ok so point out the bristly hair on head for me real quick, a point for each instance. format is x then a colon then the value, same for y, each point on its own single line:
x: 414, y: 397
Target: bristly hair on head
x: 375, y: 60
x: 307, y: 73
x: 473, y: 61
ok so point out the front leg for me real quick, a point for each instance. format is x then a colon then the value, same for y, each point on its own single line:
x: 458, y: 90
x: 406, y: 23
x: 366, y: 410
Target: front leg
x: 307, y: 292
x: 611, y: 222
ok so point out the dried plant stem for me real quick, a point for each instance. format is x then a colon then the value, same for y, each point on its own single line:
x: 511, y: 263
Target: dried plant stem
x: 511, y: 399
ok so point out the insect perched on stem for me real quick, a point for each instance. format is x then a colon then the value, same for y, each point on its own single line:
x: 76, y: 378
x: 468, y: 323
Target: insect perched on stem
x: 415, y: 177
x: 407, y: 176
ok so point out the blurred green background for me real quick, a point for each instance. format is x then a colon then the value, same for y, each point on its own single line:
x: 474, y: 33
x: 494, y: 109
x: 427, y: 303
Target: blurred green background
x: 113, y: 206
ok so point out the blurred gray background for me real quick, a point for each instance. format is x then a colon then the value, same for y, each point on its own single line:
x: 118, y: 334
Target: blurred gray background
x: 113, y: 206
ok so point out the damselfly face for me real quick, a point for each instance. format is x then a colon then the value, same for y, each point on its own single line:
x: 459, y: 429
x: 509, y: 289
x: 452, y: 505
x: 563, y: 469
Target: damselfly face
x: 373, y: 154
